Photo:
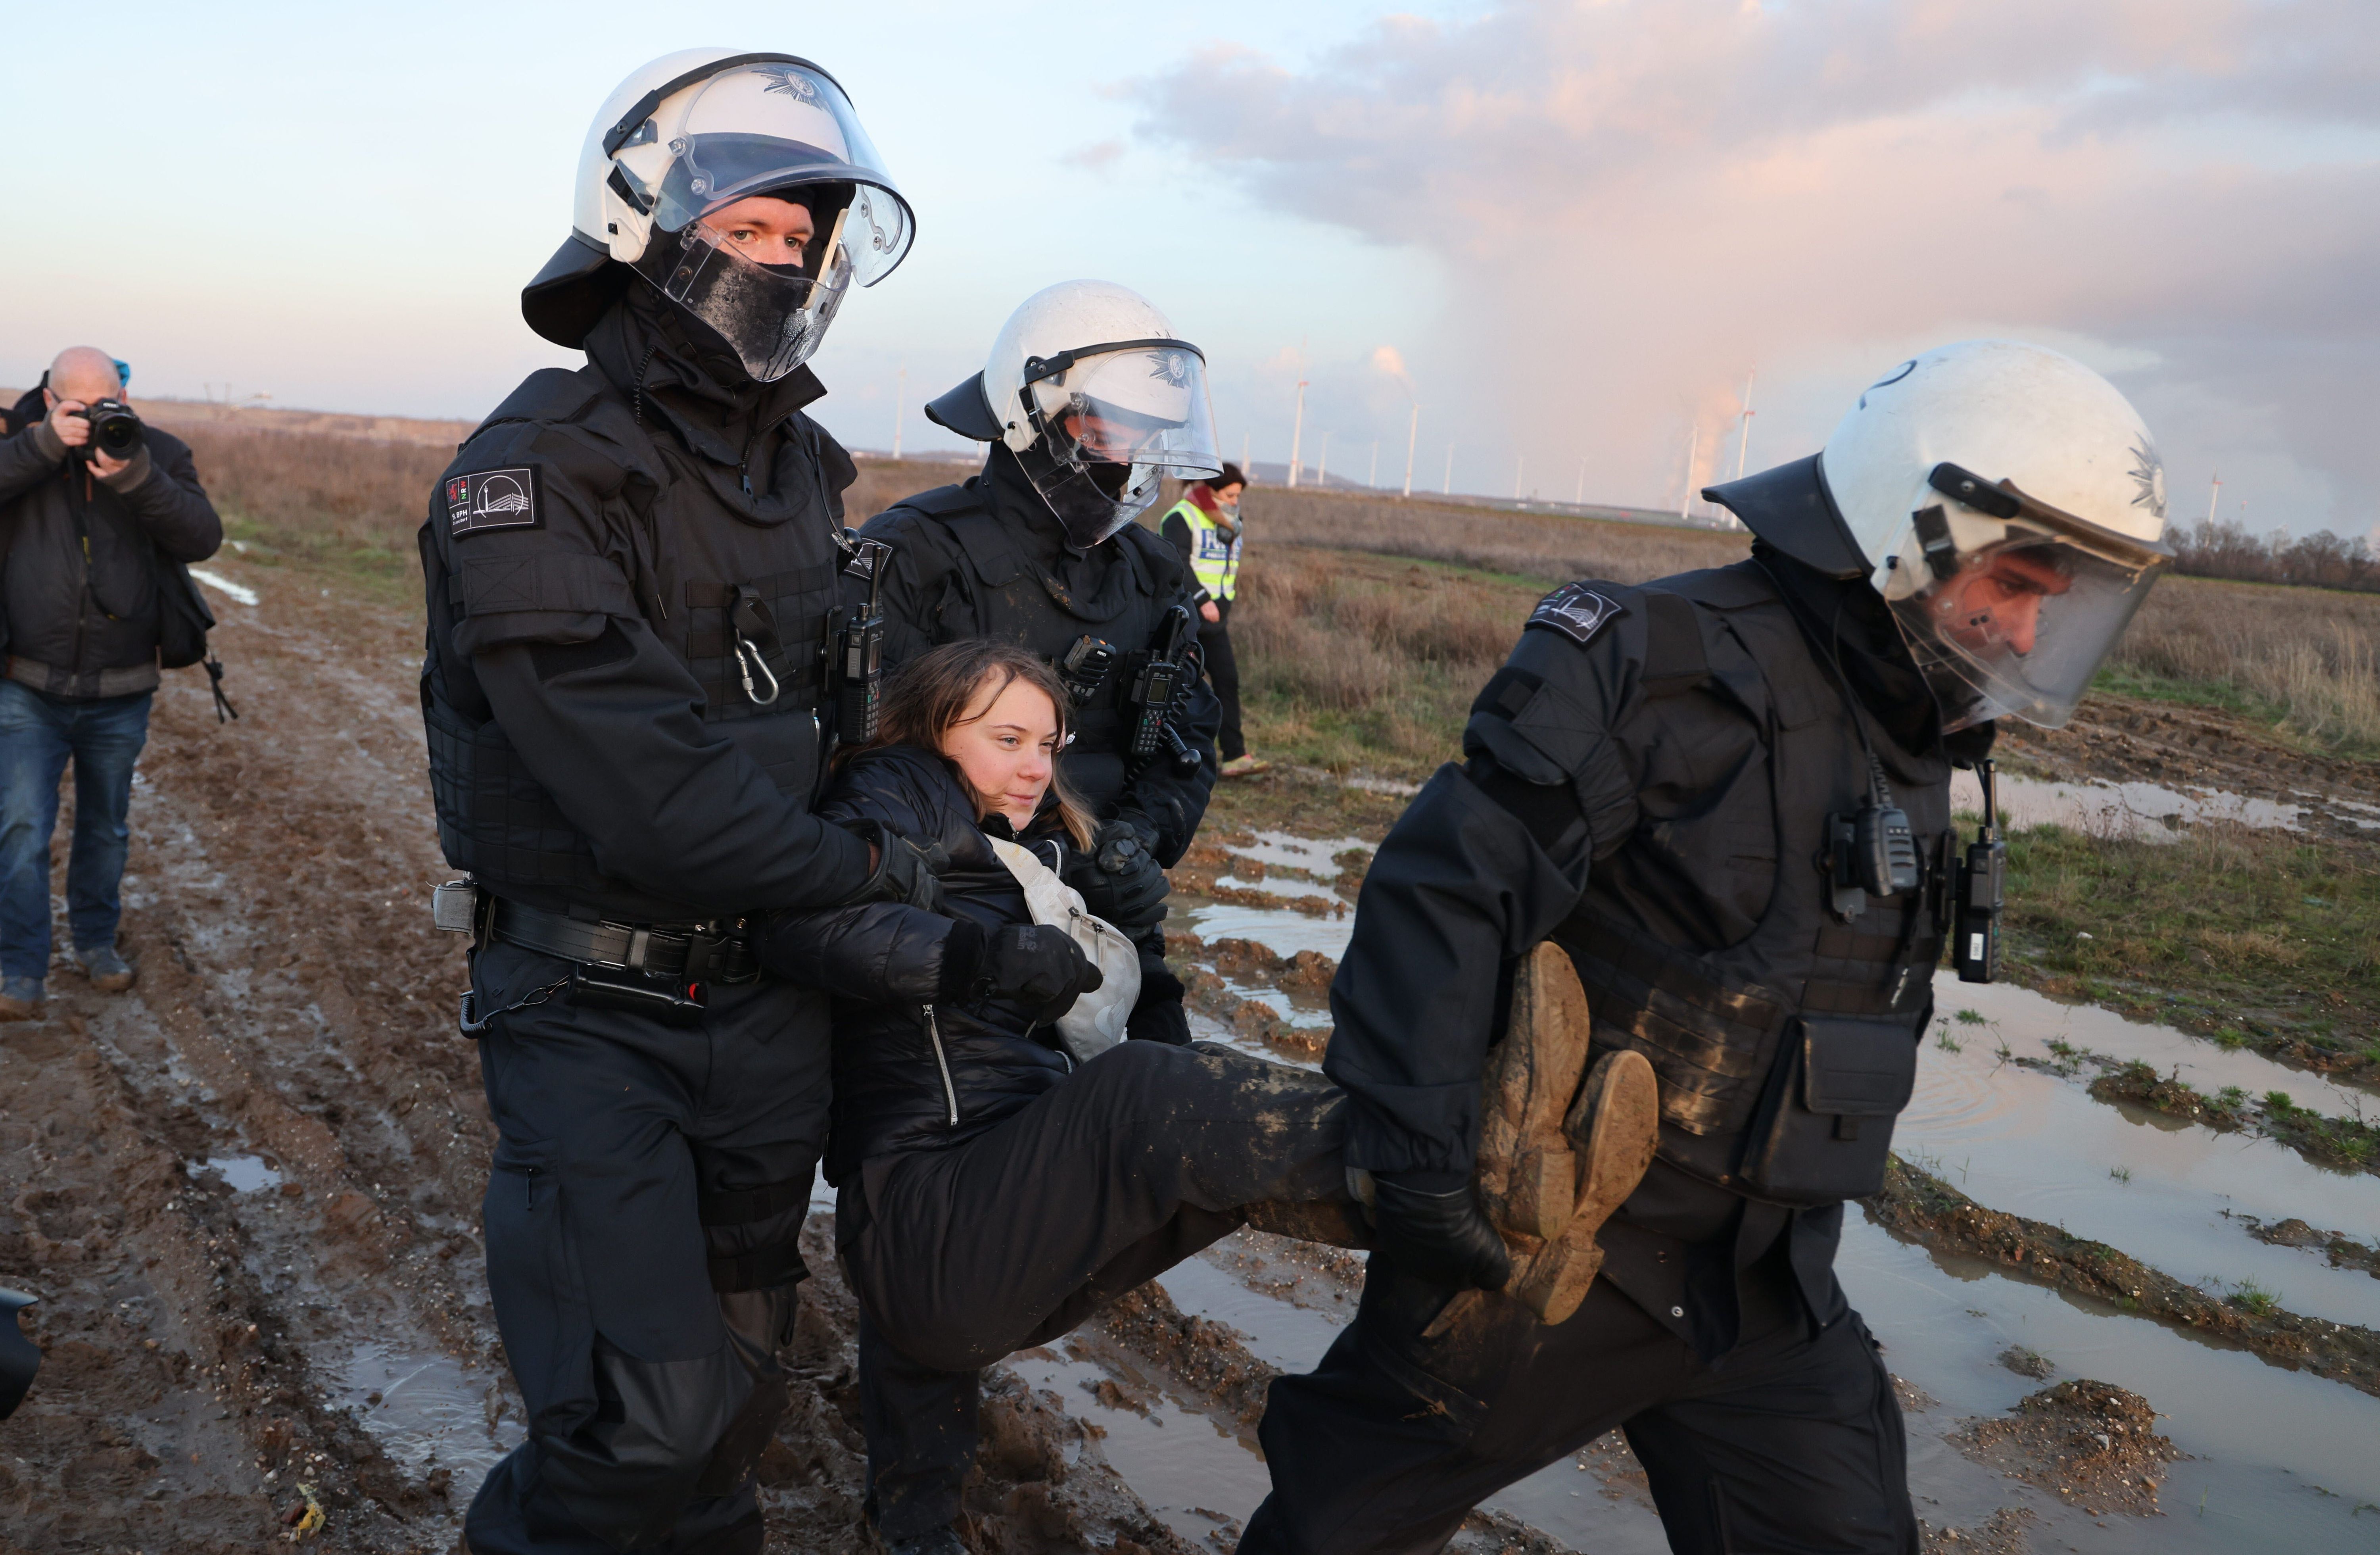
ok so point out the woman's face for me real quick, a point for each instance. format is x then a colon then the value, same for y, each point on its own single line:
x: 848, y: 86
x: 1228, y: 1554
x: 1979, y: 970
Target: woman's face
x: 1005, y: 746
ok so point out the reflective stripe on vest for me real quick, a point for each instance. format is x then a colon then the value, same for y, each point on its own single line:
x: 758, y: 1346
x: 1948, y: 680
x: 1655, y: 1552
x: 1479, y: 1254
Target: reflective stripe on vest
x: 1214, y: 560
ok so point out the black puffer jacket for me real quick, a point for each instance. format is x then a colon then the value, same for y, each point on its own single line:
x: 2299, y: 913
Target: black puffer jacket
x: 890, y: 967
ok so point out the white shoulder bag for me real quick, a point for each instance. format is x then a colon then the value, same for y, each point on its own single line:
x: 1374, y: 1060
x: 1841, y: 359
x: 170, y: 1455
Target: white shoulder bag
x: 1096, y: 1023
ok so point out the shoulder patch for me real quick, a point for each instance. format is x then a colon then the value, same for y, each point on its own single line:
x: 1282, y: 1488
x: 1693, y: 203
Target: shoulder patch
x: 1576, y: 611
x: 495, y: 499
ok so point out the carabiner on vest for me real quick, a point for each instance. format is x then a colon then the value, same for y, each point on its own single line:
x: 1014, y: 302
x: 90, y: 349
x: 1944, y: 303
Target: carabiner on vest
x: 748, y: 658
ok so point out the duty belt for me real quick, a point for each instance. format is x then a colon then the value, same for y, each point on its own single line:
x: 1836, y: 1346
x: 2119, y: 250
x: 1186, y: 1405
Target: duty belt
x: 680, y: 953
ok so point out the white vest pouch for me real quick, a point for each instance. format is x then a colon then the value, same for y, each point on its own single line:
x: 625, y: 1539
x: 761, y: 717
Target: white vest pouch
x: 1097, y: 1021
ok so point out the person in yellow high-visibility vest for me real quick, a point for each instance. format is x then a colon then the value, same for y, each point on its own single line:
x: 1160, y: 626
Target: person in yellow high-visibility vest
x: 1205, y: 526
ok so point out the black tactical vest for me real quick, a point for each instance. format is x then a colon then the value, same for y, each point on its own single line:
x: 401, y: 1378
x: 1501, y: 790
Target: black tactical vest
x: 697, y: 572
x: 1005, y: 595
x: 1784, y: 1056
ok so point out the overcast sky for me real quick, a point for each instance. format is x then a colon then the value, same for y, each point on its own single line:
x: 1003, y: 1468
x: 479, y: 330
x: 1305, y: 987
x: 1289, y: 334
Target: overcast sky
x: 1576, y: 227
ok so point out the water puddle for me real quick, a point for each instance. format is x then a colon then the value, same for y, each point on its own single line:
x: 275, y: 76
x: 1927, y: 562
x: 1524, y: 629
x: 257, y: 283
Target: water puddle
x: 431, y: 1412
x: 1280, y: 929
x: 1191, y: 1471
x: 240, y: 1173
x: 2146, y: 811
x: 1315, y: 856
x: 2279, y: 1460
x: 2030, y: 1144
x: 2009, y: 1009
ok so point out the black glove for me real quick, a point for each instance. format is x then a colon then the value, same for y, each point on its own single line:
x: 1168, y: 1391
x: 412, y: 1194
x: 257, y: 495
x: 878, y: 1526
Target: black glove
x: 1036, y: 965
x: 1119, y: 877
x: 1441, y: 1237
x: 905, y: 872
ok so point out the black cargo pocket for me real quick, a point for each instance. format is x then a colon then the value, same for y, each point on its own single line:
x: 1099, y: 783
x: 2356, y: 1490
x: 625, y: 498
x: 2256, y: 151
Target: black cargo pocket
x: 1823, y: 1132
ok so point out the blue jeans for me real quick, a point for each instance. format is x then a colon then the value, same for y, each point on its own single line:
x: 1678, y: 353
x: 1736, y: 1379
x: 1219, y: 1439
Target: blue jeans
x: 38, y: 733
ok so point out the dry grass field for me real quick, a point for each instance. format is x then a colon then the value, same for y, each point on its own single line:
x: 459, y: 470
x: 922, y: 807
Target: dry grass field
x: 2305, y: 660
x: 1352, y: 659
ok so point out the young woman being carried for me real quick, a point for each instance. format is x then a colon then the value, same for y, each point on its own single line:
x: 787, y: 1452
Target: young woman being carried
x: 997, y: 1187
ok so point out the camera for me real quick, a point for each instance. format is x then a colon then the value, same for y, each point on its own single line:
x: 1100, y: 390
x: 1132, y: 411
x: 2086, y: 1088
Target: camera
x: 115, y: 430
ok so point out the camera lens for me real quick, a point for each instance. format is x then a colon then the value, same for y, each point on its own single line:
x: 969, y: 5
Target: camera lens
x: 115, y: 430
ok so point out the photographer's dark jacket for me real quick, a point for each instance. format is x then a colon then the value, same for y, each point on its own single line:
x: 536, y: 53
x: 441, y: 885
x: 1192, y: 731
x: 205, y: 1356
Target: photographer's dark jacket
x: 592, y: 745
x: 887, y: 964
x: 1649, y: 782
x: 987, y: 559
x: 77, y: 621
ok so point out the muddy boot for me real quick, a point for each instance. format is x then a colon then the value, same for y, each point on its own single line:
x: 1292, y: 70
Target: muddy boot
x: 1615, y: 1127
x: 20, y: 998
x: 108, y: 972
x: 1527, y: 1171
x: 1557, y: 1158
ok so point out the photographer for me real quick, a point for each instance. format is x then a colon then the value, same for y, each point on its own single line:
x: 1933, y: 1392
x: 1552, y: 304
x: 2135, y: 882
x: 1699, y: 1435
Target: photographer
x: 89, y: 500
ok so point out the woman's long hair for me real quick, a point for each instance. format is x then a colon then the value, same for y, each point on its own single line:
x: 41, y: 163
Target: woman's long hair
x: 933, y: 694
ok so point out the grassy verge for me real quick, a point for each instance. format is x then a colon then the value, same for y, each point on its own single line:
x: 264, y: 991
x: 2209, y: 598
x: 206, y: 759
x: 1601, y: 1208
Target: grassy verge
x: 1353, y: 662
x: 2257, y: 939
x: 369, y: 569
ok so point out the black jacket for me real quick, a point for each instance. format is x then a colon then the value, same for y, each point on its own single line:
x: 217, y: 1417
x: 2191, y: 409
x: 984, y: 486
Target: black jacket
x: 987, y: 559
x: 588, y: 557
x: 1649, y: 782
x: 78, y: 627
x: 888, y: 964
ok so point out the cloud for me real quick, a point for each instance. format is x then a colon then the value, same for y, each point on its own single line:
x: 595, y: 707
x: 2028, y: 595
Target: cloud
x: 1095, y: 158
x: 1635, y: 202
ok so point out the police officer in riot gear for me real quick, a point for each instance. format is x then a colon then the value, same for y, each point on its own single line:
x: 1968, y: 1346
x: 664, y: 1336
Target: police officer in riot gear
x: 1726, y: 796
x: 629, y: 571
x: 1087, y: 402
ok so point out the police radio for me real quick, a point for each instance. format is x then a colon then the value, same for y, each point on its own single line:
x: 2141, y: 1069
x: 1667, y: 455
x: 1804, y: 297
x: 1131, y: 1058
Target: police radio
x: 859, y: 653
x: 1085, y: 668
x: 1872, y: 853
x: 1164, y: 678
x: 1976, y: 884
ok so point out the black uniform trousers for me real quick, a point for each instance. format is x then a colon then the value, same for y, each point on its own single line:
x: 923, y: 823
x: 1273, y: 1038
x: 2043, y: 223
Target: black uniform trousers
x: 1010, y: 1239
x: 649, y: 1187
x: 1223, y: 674
x: 1790, y: 1443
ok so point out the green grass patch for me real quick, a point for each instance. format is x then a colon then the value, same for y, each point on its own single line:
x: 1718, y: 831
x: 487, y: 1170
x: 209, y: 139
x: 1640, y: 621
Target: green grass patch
x: 2259, y: 939
x: 373, y: 570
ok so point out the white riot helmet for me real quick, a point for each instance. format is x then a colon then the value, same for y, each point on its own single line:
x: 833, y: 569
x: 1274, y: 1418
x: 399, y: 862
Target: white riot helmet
x: 1099, y: 400
x: 2005, y: 501
x: 692, y: 133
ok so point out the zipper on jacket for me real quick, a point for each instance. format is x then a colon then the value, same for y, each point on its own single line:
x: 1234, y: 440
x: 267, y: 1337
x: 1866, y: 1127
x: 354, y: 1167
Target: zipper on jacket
x: 950, y: 1092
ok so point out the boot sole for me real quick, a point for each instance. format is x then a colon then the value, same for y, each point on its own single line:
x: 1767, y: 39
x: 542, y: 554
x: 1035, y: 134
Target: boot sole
x: 1617, y: 1127
x: 1528, y: 1172
x: 16, y: 1009
x: 113, y: 982
x: 1558, y: 1157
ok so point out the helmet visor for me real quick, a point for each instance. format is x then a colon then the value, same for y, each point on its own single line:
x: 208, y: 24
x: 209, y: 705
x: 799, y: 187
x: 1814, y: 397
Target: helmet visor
x: 1114, y: 423
x: 2008, y: 605
x: 769, y: 127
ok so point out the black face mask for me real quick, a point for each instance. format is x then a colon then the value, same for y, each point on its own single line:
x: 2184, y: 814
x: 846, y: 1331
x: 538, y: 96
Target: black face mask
x: 1090, y: 502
